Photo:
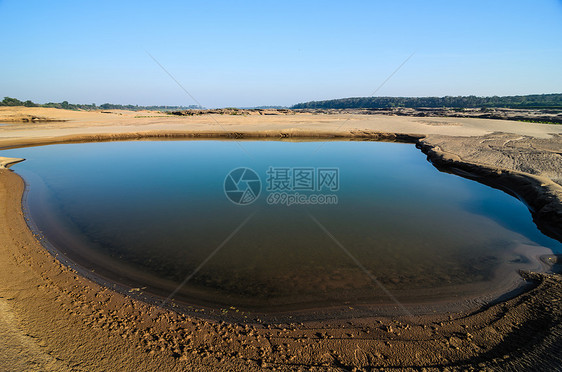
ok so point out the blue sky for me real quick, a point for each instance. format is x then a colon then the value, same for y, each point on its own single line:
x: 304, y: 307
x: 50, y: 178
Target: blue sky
x: 250, y: 53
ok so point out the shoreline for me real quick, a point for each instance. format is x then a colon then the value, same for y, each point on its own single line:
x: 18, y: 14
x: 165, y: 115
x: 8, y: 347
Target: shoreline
x: 218, y: 135
x: 541, y: 195
x: 93, y: 322
x: 153, y: 290
x: 101, y: 321
x: 450, y: 299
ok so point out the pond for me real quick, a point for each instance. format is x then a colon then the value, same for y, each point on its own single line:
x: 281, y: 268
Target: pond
x: 277, y: 226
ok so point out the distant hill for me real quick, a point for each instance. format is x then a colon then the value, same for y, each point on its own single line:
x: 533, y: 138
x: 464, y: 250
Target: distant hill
x: 528, y: 101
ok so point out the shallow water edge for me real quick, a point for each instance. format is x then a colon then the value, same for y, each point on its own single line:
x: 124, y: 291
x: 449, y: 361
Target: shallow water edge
x: 527, y: 195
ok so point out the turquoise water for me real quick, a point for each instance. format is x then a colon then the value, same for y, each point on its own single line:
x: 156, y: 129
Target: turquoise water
x: 153, y: 213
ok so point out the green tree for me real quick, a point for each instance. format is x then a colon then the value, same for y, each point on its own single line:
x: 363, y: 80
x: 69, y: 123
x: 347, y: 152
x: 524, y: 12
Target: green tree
x: 8, y: 101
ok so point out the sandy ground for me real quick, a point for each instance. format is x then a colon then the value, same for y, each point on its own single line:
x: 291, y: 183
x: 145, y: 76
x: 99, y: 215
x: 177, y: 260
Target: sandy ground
x: 51, y: 318
x: 116, y: 121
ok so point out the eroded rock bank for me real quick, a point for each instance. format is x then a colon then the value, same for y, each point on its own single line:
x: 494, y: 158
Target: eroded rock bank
x: 526, y: 167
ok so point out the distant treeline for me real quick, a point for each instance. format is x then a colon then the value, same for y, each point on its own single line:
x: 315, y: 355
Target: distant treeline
x: 267, y: 108
x: 529, y: 101
x: 8, y: 101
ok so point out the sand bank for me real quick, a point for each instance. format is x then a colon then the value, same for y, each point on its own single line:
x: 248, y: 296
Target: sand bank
x: 55, y: 319
x: 7, y: 162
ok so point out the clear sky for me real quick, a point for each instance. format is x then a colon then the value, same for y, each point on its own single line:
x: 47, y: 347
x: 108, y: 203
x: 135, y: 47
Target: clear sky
x: 250, y: 53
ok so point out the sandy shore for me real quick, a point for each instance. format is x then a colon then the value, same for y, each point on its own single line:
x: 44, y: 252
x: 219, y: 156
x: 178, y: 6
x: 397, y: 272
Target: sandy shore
x: 53, y: 319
